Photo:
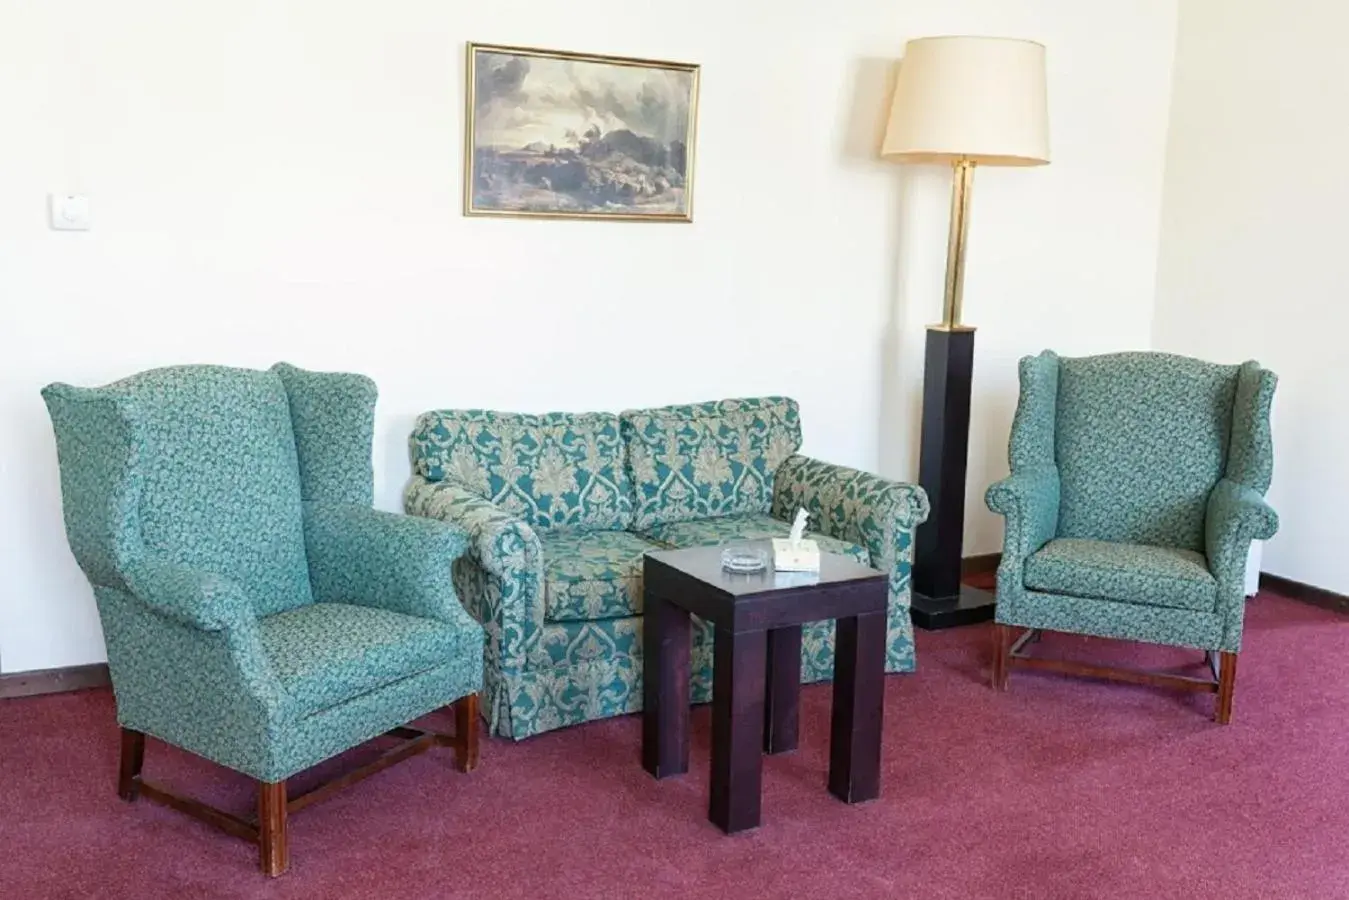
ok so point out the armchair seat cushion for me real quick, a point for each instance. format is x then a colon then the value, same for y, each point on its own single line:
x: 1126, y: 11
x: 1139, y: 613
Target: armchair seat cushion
x: 1125, y: 573
x: 746, y: 527
x: 591, y: 575
x: 327, y: 653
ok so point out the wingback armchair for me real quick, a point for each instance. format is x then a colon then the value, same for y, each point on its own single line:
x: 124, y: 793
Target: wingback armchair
x: 257, y: 611
x: 1137, y: 486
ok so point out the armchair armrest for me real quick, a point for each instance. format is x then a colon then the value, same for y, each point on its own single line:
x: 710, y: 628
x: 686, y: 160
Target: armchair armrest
x: 1235, y: 516
x: 170, y: 613
x: 1029, y: 500
x: 366, y: 557
x: 851, y: 505
x: 202, y: 600
x: 509, y: 601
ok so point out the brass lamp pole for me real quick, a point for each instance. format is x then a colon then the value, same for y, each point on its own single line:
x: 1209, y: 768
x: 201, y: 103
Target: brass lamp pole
x: 954, y: 300
x: 962, y: 101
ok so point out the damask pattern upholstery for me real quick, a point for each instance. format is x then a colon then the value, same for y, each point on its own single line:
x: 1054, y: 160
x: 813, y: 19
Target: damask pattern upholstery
x: 561, y: 606
x: 708, y: 459
x: 560, y: 469
x: 1137, y: 486
x: 242, y: 623
x: 593, y: 574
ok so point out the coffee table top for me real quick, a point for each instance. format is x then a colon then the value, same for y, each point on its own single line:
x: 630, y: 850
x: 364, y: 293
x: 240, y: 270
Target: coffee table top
x: 694, y: 580
x: 704, y: 564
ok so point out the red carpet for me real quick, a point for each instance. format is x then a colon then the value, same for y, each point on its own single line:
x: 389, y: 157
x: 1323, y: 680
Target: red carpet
x: 1059, y: 788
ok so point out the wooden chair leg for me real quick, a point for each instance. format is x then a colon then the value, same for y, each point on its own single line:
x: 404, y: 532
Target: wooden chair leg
x: 1001, y: 636
x: 274, y: 851
x: 1227, y: 684
x: 466, y: 733
x: 133, y: 757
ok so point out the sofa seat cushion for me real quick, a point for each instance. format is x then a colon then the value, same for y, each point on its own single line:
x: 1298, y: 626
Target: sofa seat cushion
x: 746, y: 527
x: 327, y: 653
x: 591, y: 575
x: 1126, y: 573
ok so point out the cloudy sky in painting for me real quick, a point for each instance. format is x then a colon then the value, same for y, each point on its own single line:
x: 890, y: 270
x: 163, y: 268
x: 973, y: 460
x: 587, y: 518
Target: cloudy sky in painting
x: 523, y: 99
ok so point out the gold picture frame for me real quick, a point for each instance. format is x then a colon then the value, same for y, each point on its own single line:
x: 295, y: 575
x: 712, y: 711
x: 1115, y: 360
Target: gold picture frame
x: 554, y: 134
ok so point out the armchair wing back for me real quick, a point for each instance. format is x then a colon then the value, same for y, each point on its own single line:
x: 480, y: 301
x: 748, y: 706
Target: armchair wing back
x: 332, y: 415
x: 188, y: 466
x: 1141, y: 439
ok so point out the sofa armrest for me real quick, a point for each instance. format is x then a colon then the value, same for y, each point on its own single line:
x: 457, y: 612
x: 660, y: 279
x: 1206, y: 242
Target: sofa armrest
x: 1029, y: 499
x: 366, y: 557
x: 851, y: 505
x: 1235, y: 516
x: 505, y: 549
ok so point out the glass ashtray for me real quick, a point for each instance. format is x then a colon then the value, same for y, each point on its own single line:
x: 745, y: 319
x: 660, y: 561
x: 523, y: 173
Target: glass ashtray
x: 744, y: 559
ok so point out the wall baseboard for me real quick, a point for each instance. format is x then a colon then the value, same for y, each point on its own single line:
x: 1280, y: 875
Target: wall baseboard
x: 53, y: 681
x: 95, y: 675
x: 1307, y: 593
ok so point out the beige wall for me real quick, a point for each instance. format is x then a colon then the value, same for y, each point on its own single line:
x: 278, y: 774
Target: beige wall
x: 1253, y: 260
x: 280, y: 179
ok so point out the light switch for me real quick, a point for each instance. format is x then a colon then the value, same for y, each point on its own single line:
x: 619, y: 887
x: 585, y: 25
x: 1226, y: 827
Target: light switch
x: 69, y: 212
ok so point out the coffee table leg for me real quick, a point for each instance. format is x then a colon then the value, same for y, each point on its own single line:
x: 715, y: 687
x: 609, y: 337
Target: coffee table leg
x: 784, y: 689
x: 665, y: 688
x: 738, y: 679
x: 859, y: 701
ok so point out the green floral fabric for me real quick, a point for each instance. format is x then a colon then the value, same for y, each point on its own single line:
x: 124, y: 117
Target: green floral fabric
x: 333, y: 416
x: 324, y: 654
x: 1136, y: 489
x: 747, y: 527
x: 559, y: 605
x: 708, y: 459
x: 559, y: 469
x: 1141, y: 439
x: 1128, y: 573
x: 212, y: 433
x: 182, y: 490
x: 593, y: 574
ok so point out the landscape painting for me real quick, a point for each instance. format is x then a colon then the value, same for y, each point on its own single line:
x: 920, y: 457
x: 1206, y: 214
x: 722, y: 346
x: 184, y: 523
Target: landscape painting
x: 572, y: 135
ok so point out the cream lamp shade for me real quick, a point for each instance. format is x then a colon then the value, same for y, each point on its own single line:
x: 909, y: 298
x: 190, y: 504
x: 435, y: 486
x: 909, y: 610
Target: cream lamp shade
x: 980, y: 99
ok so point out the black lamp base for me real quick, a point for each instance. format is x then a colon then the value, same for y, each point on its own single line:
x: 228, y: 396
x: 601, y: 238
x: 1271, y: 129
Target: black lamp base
x: 970, y: 606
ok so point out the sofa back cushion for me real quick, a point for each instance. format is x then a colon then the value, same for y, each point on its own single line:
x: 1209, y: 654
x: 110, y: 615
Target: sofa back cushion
x: 550, y: 470
x: 1140, y: 441
x: 708, y: 459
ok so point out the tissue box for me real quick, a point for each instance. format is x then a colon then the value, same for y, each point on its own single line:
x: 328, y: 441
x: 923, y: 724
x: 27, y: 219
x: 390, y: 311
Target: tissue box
x: 800, y: 557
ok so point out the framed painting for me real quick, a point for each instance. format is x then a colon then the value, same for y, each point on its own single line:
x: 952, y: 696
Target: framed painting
x: 574, y: 135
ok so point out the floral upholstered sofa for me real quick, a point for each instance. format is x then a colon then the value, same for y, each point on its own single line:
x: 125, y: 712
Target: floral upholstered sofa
x: 562, y: 507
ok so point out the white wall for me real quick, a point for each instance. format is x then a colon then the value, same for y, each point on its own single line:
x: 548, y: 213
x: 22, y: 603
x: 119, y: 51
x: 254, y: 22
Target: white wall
x: 280, y: 179
x: 1253, y: 262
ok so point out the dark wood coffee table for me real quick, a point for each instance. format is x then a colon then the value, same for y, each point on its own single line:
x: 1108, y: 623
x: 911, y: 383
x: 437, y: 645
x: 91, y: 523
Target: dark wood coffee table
x: 757, y: 672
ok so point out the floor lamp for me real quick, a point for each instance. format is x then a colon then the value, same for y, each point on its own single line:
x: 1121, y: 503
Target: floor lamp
x: 964, y: 102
